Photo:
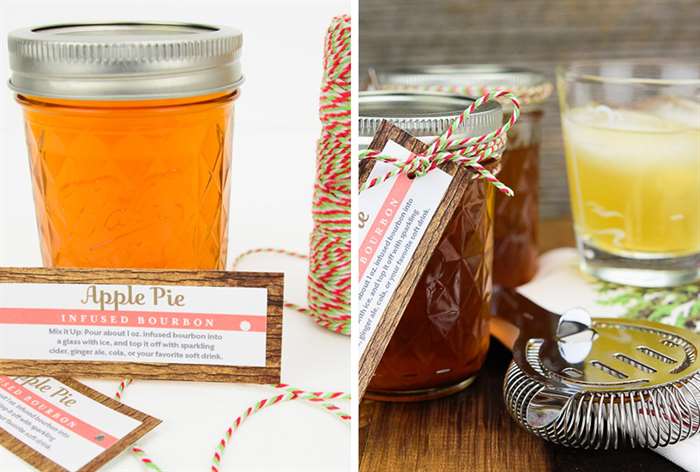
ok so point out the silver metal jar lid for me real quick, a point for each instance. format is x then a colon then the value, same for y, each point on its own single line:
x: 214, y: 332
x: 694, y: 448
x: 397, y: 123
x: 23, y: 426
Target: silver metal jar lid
x: 522, y: 81
x: 124, y: 61
x: 424, y: 114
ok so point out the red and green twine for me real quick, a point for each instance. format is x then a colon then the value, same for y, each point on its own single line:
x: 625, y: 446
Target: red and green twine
x: 469, y: 151
x: 526, y: 94
x: 321, y: 399
x: 330, y: 248
x: 329, y: 260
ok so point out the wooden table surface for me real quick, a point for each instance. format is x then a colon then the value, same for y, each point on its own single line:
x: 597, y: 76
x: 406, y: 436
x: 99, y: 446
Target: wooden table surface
x: 472, y: 431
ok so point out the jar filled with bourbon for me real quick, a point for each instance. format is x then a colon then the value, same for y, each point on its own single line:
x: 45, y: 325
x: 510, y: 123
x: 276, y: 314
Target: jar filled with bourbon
x: 516, y: 218
x: 443, y: 335
x: 129, y: 130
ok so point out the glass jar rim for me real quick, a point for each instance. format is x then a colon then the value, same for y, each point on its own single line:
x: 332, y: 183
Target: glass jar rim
x: 425, y: 114
x: 589, y: 71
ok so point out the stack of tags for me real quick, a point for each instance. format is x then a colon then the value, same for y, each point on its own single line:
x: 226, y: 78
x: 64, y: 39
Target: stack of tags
x: 205, y: 326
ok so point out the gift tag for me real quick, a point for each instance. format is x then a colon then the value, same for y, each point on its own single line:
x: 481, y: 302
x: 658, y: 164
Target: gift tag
x: 174, y: 325
x: 63, y: 425
x: 401, y: 222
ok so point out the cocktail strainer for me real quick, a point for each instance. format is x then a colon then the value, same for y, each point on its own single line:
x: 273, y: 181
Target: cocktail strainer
x: 598, y: 383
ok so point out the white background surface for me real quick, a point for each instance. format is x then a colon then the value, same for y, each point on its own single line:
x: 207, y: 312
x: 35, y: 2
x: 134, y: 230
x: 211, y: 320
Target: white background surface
x: 271, y: 204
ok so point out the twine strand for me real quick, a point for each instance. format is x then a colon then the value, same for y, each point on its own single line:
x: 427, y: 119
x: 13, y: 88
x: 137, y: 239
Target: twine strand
x: 290, y: 394
x: 526, y: 94
x: 469, y: 151
x: 283, y: 252
x: 323, y: 400
x: 136, y: 450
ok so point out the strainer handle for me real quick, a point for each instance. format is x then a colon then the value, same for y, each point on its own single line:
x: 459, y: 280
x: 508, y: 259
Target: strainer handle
x: 505, y: 332
x: 518, y: 313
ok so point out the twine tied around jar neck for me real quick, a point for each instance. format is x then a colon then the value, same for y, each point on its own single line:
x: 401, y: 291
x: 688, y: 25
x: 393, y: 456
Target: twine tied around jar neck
x: 526, y: 94
x: 470, y: 152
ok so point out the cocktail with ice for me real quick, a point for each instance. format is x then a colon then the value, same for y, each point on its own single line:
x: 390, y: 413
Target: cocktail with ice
x: 632, y: 144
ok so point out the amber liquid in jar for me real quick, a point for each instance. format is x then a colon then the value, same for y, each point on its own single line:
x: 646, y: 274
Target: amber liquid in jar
x: 131, y: 184
x: 443, y: 337
x: 515, y: 238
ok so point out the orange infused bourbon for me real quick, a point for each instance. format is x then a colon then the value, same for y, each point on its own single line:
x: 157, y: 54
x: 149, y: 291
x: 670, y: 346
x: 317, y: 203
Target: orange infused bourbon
x: 443, y: 336
x: 129, y: 133
x: 517, y: 217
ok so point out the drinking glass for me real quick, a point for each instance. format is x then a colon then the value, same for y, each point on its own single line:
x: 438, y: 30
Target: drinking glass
x: 632, y: 144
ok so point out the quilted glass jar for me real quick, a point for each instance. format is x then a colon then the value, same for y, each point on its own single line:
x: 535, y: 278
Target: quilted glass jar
x: 516, y: 218
x: 129, y: 133
x: 443, y: 336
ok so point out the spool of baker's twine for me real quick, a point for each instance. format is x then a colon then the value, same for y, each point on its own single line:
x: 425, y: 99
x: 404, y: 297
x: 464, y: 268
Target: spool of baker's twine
x: 471, y: 152
x: 329, y: 260
x: 329, y: 277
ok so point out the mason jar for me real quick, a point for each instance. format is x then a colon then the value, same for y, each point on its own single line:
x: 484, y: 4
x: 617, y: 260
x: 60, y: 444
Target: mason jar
x: 517, y: 218
x: 443, y: 336
x: 129, y: 129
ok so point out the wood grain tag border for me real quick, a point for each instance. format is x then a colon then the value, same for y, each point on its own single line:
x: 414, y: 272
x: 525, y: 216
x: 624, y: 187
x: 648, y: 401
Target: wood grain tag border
x: 273, y: 282
x: 377, y: 344
x: 43, y: 463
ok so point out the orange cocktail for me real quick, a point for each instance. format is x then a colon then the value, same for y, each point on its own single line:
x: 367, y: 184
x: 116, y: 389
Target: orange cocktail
x: 632, y: 142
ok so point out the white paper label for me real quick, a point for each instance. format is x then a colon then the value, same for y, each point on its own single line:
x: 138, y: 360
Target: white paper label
x: 135, y: 323
x: 395, y: 216
x: 59, y: 422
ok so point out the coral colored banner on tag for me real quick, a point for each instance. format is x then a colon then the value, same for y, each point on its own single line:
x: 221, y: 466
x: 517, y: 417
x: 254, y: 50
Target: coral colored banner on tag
x: 56, y: 414
x: 196, y: 321
x: 397, y: 214
x: 382, y: 220
x: 64, y: 425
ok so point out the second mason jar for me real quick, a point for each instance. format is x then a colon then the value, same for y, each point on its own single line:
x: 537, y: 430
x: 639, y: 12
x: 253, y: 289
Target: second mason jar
x: 443, y: 336
x: 129, y: 133
x: 516, y: 221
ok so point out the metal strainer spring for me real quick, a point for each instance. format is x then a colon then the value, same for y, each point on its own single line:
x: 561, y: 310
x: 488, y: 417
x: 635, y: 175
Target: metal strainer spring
x: 599, y: 383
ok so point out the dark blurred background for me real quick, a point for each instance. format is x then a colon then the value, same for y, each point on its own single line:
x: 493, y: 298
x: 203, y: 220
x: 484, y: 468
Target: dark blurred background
x: 534, y: 33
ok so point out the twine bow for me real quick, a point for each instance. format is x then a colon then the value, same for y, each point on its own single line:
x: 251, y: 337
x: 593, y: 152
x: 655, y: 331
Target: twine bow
x: 470, y: 152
